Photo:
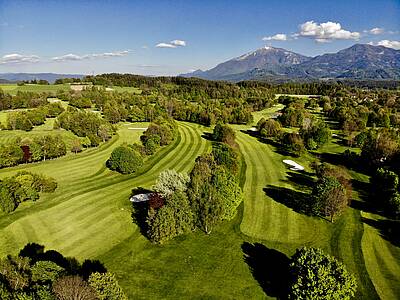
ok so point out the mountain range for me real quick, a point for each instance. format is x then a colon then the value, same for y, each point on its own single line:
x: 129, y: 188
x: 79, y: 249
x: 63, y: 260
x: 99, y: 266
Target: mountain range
x: 360, y: 61
x: 50, y: 77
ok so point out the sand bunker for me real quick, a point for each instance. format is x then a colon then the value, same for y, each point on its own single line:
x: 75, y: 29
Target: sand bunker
x: 294, y: 165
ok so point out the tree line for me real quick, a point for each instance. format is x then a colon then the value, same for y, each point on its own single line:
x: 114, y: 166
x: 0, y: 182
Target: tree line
x: 23, y: 186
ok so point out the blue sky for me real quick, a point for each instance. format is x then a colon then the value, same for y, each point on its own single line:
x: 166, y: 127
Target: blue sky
x: 122, y: 36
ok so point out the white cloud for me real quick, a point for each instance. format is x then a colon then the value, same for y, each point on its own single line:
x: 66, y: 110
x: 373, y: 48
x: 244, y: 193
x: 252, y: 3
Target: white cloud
x: 67, y: 57
x: 110, y: 54
x: 276, y: 37
x: 172, y: 44
x: 75, y: 57
x: 178, y: 43
x: 376, y: 31
x: 387, y: 44
x: 326, y: 32
x: 165, y: 45
x: 16, y: 58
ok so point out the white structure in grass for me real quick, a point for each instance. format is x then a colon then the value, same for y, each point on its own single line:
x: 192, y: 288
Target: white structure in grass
x: 141, y: 197
x: 294, y: 165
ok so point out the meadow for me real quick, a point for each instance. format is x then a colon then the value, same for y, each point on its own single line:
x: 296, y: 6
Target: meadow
x: 53, y: 88
x: 89, y: 216
x: 38, y: 88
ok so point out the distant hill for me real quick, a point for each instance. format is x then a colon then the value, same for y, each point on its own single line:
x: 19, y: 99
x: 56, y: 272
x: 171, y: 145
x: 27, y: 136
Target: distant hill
x: 360, y: 61
x: 50, y: 77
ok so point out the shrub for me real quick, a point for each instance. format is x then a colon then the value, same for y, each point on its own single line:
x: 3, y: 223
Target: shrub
x: 315, y: 275
x: 125, y: 159
x: 293, y: 143
x: 225, y: 134
x: 106, y: 286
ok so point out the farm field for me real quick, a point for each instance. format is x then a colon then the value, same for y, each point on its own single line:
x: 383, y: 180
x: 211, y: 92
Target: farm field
x: 89, y: 216
x: 14, y: 88
x: 53, y: 88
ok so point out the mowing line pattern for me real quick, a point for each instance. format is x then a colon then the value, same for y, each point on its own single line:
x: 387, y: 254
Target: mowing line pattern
x: 89, y: 215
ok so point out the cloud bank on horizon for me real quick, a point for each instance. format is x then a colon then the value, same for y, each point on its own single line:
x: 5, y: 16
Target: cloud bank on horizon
x: 16, y: 58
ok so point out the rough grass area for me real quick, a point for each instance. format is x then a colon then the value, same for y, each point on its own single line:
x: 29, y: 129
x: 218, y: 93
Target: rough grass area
x: 51, y: 88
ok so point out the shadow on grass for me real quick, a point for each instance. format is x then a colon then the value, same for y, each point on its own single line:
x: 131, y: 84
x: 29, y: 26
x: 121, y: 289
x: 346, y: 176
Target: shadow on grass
x: 208, y: 136
x: 269, y: 267
x: 302, y: 181
x: 339, y: 159
x: 367, y: 201
x: 36, y: 252
x: 298, y: 201
x: 278, y: 148
x: 140, y: 210
x: 388, y: 229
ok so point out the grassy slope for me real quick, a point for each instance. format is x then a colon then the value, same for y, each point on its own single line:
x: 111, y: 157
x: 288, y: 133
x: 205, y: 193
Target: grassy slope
x: 382, y: 260
x: 358, y: 245
x: 45, y: 129
x: 89, y: 216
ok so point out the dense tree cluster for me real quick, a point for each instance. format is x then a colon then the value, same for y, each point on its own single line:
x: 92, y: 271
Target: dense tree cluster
x: 208, y: 196
x: 160, y: 132
x: 332, y: 191
x: 292, y: 143
x: 85, y: 124
x: 269, y: 128
x: 386, y: 191
x: 32, y: 150
x: 214, y: 193
x: 22, y: 100
x: 184, y: 99
x: 379, y: 146
x: 48, y: 275
x: 315, y: 133
x: 22, y: 187
x: 67, y: 80
x: 315, y: 275
x: 27, y: 119
x: 293, y: 114
x: 224, y: 134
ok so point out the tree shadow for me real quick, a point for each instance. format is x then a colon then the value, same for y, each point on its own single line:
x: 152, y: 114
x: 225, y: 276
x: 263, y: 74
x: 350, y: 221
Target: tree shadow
x: 269, y: 267
x: 90, y: 266
x: 388, y: 229
x: 297, y: 201
x: 364, y: 192
x: 208, y: 136
x: 302, y: 181
x: 140, y: 210
x: 278, y: 148
x: 352, y: 162
x: 36, y: 252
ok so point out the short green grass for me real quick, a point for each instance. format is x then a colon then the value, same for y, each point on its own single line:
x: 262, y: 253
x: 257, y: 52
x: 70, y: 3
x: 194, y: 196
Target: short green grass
x: 89, y: 217
x: 128, y: 89
x: 8, y: 136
